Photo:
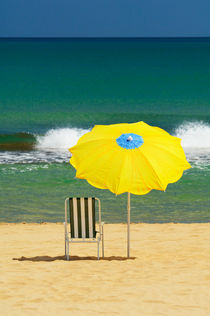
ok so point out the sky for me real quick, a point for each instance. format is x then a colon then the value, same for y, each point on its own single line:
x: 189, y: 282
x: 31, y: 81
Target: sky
x: 104, y: 18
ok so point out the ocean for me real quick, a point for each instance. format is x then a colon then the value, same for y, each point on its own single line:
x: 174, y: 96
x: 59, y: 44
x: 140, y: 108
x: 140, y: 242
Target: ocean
x: 52, y: 91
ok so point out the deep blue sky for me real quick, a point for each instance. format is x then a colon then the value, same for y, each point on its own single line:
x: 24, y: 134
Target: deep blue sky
x: 104, y: 18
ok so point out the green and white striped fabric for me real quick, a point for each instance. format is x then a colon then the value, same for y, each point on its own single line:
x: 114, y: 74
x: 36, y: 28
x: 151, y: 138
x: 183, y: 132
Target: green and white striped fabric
x: 82, y: 217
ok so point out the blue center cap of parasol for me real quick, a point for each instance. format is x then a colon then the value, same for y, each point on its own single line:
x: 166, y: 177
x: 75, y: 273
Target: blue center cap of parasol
x: 130, y: 141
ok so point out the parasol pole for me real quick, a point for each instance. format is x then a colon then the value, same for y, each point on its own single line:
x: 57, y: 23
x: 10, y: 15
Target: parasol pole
x: 128, y: 231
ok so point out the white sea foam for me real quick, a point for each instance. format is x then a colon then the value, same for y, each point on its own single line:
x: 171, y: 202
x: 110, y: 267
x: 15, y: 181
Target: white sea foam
x: 59, y: 139
x: 194, y: 135
x: 195, y: 138
x: 52, y: 147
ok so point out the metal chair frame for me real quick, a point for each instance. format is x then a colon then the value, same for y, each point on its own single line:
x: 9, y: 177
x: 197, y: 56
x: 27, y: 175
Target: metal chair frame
x: 99, y: 234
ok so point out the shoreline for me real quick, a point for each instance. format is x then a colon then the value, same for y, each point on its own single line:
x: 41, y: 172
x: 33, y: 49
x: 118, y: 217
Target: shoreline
x: 106, y: 223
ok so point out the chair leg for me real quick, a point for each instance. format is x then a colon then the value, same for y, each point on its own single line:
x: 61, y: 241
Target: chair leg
x: 67, y: 249
x: 102, y: 239
x: 98, y: 250
x: 103, y: 247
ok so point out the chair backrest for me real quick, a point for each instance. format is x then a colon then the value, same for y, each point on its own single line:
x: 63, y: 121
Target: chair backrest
x: 82, y: 217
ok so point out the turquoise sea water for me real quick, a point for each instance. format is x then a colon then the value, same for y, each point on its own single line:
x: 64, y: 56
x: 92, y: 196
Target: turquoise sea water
x: 54, y: 90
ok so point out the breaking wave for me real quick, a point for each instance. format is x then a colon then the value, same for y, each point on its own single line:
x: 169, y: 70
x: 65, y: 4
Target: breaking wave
x: 59, y: 139
x: 52, y: 147
x: 195, y: 138
x: 194, y: 135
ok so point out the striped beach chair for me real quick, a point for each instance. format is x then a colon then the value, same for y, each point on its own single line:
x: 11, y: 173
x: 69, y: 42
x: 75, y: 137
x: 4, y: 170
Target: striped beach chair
x: 80, y: 213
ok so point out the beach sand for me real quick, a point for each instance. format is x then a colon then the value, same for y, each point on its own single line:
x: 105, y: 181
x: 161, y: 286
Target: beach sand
x: 168, y: 274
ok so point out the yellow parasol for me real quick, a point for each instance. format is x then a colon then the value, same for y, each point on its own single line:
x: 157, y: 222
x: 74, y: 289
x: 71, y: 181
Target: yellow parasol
x: 133, y: 158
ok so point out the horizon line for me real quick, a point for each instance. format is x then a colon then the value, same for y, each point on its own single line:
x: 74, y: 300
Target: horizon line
x: 104, y: 37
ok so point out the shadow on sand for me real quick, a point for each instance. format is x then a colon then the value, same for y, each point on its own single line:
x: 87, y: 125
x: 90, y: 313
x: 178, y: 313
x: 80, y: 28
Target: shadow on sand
x: 72, y: 258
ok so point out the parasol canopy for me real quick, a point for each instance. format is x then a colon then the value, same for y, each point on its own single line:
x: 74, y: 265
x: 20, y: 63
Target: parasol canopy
x: 133, y: 158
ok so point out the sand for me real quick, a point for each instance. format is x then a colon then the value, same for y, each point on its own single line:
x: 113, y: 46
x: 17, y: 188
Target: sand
x: 168, y: 274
